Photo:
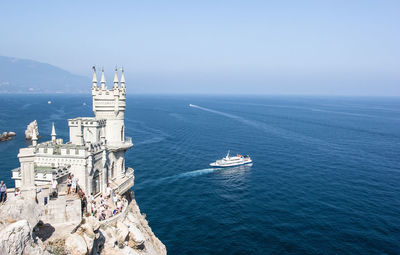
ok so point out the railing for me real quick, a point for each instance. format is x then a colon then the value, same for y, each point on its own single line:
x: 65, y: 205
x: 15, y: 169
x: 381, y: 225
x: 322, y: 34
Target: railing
x: 128, y: 181
x: 128, y: 140
x: 126, y: 143
x: 110, y: 221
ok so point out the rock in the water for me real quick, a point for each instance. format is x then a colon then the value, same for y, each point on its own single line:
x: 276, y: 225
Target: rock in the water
x: 6, y: 136
x: 32, y: 127
x: 15, y: 237
x: 76, y: 245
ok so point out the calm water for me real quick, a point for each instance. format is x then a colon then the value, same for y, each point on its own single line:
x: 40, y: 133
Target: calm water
x: 326, y: 177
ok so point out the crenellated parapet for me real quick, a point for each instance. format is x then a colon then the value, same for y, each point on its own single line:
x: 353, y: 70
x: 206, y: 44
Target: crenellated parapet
x: 109, y: 103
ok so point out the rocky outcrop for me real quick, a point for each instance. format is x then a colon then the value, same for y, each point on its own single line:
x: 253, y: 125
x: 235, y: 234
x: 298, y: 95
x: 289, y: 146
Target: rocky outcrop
x: 32, y: 127
x: 127, y: 234
x: 130, y: 234
x: 15, y: 237
x: 6, y: 136
x: 19, y: 217
x: 21, y: 209
x: 76, y: 245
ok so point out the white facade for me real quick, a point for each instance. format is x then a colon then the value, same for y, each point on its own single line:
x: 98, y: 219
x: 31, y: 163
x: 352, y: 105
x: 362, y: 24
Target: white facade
x: 95, y: 153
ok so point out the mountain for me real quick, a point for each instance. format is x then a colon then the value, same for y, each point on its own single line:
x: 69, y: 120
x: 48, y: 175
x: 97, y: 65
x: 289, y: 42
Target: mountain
x: 29, y: 76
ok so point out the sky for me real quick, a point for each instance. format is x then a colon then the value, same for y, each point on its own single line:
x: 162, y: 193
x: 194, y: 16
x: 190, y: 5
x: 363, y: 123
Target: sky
x: 216, y: 47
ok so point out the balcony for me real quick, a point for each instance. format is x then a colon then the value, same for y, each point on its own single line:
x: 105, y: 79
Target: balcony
x: 126, y: 144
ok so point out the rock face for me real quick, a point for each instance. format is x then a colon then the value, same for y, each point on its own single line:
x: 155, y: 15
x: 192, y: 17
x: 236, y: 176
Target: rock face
x: 6, y: 136
x: 129, y: 233
x: 132, y: 235
x: 32, y: 127
x: 21, y: 209
x: 15, y: 237
x: 76, y: 245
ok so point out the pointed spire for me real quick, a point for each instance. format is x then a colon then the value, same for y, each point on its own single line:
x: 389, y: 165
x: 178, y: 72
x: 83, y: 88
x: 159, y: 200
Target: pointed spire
x: 94, y: 80
x: 53, y: 133
x: 122, y: 78
x: 103, y: 80
x: 116, y: 78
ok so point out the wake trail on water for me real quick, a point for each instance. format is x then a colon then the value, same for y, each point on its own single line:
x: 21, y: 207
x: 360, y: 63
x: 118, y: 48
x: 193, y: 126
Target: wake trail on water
x: 286, y: 134
x: 316, y: 143
x: 189, y: 174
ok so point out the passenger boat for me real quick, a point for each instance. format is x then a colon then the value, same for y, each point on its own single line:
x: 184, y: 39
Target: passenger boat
x: 229, y: 161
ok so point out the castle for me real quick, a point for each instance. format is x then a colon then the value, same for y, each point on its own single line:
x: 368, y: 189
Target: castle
x: 95, y: 153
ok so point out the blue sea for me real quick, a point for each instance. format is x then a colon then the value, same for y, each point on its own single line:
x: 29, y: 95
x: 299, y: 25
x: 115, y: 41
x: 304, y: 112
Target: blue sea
x: 325, y: 178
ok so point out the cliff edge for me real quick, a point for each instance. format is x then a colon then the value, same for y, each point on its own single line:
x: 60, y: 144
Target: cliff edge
x: 24, y: 233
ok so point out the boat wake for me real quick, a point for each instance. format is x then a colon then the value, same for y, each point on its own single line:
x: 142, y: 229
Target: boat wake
x: 176, y: 177
x: 280, y: 132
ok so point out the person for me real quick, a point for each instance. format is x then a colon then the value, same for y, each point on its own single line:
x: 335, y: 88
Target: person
x: 119, y: 205
x: 102, y: 200
x: 102, y: 214
x: 91, y: 197
x: 73, y: 185
x: 77, y: 185
x: 17, y: 192
x: 54, y: 186
x: 3, y: 192
x: 69, y: 184
x: 114, y: 198
x: 108, y: 191
x: 93, y: 208
x: 83, y: 203
x: 115, y: 212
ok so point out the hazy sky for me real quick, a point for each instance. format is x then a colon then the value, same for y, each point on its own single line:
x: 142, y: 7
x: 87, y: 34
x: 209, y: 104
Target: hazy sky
x: 253, y: 47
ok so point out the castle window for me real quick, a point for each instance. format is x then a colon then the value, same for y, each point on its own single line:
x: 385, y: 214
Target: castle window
x: 96, y: 182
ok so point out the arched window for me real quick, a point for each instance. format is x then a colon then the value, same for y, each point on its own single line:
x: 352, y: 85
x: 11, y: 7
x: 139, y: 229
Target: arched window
x: 96, y: 182
x: 122, y: 133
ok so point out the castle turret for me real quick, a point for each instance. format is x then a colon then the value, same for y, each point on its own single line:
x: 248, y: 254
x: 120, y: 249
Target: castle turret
x: 122, y: 79
x: 103, y: 80
x: 53, y: 133
x: 94, y: 80
x: 110, y: 106
x: 115, y: 79
x: 79, y: 134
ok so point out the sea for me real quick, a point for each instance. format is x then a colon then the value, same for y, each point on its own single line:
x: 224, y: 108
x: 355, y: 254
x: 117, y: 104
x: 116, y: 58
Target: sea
x: 325, y: 178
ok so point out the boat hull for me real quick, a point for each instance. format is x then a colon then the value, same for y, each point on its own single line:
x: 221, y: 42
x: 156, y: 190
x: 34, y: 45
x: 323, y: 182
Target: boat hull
x: 214, y: 164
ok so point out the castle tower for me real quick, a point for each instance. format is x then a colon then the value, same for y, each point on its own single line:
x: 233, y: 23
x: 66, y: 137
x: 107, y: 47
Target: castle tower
x: 109, y: 104
x: 53, y: 133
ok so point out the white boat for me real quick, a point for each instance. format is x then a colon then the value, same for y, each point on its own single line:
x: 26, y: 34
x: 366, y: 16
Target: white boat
x: 229, y: 161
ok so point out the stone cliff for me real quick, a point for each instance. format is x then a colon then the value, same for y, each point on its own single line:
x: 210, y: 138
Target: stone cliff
x: 24, y: 233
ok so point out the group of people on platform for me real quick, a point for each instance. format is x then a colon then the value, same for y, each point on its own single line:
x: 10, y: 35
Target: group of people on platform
x: 103, y: 207
x: 107, y: 205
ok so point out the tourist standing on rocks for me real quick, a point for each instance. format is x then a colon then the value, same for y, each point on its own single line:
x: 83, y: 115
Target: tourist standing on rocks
x: 54, y: 186
x: 73, y: 179
x: 3, y: 192
x: 69, y: 184
x: 83, y: 203
x: 77, y: 185
x: 108, y: 191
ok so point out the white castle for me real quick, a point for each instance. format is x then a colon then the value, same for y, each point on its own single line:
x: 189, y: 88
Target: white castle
x: 95, y: 153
